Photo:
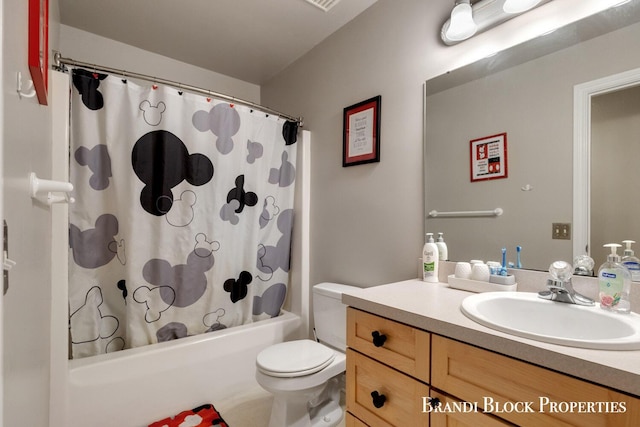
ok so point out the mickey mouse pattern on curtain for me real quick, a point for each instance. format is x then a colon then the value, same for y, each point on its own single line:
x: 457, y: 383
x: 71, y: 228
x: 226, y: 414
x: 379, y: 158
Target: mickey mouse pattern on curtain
x: 183, y: 215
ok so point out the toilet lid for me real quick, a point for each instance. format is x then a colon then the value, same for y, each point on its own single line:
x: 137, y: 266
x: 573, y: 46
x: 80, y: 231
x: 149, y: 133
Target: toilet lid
x: 294, y: 358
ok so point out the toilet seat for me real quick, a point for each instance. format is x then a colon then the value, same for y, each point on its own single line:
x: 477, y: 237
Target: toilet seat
x: 294, y: 358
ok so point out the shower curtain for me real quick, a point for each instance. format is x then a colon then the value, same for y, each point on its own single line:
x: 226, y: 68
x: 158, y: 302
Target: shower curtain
x: 183, y: 214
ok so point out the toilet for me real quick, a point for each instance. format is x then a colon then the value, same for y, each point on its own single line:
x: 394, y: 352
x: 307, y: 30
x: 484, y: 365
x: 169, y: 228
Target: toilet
x: 305, y: 376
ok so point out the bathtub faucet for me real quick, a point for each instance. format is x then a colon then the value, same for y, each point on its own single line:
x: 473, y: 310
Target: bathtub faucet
x: 559, y: 287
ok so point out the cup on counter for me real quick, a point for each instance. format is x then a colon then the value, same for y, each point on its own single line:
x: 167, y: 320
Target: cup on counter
x: 463, y: 270
x: 480, y: 272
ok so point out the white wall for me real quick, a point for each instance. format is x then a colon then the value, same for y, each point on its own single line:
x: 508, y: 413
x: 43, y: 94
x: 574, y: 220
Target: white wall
x: 87, y: 47
x: 1, y: 209
x: 367, y: 221
x: 26, y: 135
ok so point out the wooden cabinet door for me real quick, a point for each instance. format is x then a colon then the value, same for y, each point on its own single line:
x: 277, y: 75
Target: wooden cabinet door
x: 452, y: 416
x: 518, y: 391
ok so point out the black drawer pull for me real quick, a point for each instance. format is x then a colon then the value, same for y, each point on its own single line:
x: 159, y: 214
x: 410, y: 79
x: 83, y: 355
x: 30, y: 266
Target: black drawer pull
x: 434, y: 402
x: 378, y: 338
x: 378, y: 399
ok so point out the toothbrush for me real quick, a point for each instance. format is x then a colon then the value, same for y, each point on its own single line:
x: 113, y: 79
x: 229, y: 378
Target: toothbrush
x: 518, y: 263
x: 503, y: 270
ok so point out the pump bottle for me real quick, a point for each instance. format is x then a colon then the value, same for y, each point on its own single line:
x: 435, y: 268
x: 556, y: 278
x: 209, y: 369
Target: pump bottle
x: 615, y: 282
x: 443, y: 253
x: 630, y: 261
x: 430, y: 258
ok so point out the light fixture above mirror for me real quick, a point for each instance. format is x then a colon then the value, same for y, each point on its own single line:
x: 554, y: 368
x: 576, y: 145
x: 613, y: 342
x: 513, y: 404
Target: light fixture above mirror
x: 461, y: 24
x: 468, y: 19
x: 519, y: 6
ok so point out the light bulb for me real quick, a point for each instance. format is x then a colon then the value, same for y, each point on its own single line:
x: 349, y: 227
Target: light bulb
x: 461, y: 24
x: 519, y: 6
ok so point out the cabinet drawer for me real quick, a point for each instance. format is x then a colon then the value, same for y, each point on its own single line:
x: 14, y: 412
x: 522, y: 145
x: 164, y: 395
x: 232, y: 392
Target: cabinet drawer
x: 351, y: 421
x: 518, y: 392
x: 461, y: 416
x: 403, y: 395
x: 405, y: 348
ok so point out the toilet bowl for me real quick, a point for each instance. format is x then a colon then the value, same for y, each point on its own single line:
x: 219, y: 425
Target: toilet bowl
x: 304, y: 393
x: 306, y: 377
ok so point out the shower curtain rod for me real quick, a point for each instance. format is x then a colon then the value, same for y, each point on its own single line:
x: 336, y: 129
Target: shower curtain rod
x: 60, y: 61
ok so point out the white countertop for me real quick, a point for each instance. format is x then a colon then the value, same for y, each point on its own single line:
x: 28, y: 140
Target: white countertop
x: 435, y: 307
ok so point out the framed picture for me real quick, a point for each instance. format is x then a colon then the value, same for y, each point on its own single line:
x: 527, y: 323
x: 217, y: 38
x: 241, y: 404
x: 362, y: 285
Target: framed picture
x: 489, y: 157
x: 361, y: 133
x: 38, y: 56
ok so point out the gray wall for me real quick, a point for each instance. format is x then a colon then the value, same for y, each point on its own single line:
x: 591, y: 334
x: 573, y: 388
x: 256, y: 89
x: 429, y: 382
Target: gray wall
x: 615, y: 175
x: 367, y: 221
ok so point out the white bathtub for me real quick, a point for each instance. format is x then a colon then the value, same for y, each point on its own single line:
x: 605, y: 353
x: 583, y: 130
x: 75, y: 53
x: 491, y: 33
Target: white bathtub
x: 136, y: 387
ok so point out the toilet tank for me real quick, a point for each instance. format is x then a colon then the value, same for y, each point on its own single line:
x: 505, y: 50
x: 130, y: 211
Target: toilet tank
x: 330, y: 314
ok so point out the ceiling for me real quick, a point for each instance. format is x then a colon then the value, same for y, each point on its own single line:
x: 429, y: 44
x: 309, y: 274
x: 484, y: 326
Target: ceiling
x: 251, y: 40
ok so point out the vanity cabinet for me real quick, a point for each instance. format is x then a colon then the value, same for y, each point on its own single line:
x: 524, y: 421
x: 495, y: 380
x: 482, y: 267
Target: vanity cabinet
x: 393, y: 367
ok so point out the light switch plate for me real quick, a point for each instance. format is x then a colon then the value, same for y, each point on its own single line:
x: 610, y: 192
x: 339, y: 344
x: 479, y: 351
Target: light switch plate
x: 561, y: 230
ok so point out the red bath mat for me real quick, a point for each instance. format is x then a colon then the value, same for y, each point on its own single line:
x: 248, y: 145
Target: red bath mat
x: 202, y: 416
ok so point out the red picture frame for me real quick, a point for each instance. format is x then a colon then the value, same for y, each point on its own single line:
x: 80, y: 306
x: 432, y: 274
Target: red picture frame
x: 38, y: 54
x: 488, y: 158
x: 361, y: 133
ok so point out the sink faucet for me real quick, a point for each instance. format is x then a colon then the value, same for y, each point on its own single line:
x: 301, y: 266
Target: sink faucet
x: 560, y: 288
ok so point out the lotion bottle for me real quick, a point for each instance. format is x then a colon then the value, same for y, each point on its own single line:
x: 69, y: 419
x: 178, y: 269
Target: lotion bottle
x: 630, y: 261
x: 443, y: 253
x: 615, y: 282
x: 430, y: 258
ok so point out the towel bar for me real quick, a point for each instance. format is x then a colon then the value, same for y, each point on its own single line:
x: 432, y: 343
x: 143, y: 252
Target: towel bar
x: 463, y: 214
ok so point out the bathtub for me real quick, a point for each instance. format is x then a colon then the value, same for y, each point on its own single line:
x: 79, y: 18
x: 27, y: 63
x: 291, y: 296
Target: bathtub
x: 136, y: 387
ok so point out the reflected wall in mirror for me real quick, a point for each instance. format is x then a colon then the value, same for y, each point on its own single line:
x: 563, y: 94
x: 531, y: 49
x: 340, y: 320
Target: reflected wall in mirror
x: 615, y: 155
x: 527, y: 93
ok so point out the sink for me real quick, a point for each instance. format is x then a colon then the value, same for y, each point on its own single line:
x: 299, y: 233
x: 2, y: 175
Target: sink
x: 525, y: 315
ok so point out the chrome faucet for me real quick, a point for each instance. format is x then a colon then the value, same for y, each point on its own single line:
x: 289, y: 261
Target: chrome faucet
x: 560, y: 288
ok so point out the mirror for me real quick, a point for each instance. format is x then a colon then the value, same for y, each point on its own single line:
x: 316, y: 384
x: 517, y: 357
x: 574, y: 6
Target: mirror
x: 607, y: 117
x: 527, y: 93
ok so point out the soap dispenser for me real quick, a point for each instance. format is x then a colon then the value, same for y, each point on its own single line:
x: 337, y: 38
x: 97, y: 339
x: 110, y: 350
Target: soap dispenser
x: 615, y: 282
x: 443, y: 253
x: 630, y: 261
x: 430, y: 260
